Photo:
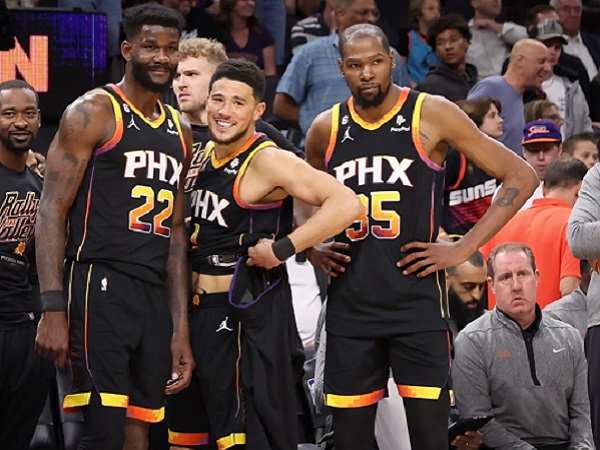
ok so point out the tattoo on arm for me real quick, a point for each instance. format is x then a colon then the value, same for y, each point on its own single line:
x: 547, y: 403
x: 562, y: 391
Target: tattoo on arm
x: 423, y: 136
x: 508, y: 199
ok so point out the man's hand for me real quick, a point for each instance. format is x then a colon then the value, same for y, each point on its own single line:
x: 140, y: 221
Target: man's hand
x: 182, y: 365
x: 468, y: 441
x: 52, y: 339
x: 327, y: 257
x: 426, y: 258
x: 262, y: 255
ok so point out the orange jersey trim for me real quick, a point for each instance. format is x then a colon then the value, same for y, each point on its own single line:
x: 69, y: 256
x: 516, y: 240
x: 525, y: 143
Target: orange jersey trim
x: 218, y: 163
x: 231, y: 440
x: 145, y: 414
x: 354, y: 401
x: 187, y: 439
x: 461, y: 173
x: 416, y: 134
x: 335, y: 123
x: 238, y: 180
x: 386, y: 117
x: 118, y: 134
x: 423, y: 392
x: 153, y: 123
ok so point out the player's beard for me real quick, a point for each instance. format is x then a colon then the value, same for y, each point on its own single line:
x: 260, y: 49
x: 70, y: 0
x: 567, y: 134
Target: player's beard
x: 141, y: 73
x: 373, y: 102
x: 14, y: 147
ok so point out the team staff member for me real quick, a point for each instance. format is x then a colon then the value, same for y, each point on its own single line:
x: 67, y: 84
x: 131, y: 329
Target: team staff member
x: 387, y: 307
x: 237, y: 201
x: 114, y: 196
x: 25, y: 377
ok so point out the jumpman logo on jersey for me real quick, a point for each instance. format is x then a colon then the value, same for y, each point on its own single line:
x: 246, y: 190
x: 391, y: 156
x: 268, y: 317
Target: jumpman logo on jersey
x: 132, y: 124
x: 347, y: 135
x: 224, y: 326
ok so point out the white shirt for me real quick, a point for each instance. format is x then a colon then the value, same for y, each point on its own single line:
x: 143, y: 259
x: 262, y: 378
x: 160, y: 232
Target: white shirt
x: 577, y: 48
x: 306, y: 298
x: 555, y: 91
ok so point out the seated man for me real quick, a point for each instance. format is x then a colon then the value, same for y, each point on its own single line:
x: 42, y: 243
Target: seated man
x: 522, y: 367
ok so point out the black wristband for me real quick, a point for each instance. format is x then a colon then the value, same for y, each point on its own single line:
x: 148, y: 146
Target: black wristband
x: 53, y: 301
x: 283, y: 248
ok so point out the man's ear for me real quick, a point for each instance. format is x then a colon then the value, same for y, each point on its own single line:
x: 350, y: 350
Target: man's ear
x: 259, y: 110
x: 490, y: 282
x: 126, y: 50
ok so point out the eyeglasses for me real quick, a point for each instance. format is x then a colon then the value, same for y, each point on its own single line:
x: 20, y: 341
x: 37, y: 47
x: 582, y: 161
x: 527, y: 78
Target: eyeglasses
x: 366, y: 11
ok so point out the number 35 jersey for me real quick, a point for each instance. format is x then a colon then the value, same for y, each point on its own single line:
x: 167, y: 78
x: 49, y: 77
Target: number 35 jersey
x: 401, y: 189
x: 123, y: 210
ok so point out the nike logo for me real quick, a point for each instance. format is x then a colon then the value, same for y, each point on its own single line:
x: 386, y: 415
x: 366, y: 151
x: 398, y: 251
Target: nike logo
x: 557, y: 350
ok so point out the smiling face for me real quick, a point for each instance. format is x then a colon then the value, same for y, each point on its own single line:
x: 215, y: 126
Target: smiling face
x: 515, y: 285
x: 368, y: 70
x: 232, y: 111
x: 19, y: 119
x: 153, y: 56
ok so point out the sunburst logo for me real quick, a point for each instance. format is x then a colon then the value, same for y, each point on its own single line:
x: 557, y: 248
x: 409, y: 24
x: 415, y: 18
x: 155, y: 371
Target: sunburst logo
x: 20, y: 250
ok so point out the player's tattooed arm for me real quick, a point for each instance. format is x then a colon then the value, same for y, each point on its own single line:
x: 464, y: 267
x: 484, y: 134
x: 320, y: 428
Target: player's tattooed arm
x: 508, y: 198
x: 66, y: 163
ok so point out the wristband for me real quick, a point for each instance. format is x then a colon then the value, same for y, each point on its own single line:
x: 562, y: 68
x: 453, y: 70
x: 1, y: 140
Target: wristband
x: 53, y: 301
x: 283, y: 248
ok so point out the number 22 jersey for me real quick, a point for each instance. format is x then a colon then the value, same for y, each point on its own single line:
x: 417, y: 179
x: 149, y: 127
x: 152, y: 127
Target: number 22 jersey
x: 401, y: 189
x: 123, y: 210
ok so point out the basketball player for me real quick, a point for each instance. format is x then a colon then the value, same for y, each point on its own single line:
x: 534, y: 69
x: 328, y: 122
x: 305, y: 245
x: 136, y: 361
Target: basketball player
x: 248, y: 372
x: 387, y: 307
x: 25, y: 377
x: 113, y: 195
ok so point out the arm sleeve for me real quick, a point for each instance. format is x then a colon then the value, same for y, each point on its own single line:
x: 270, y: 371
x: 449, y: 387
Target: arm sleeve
x: 472, y: 387
x: 580, y: 428
x: 511, y: 33
x: 584, y: 224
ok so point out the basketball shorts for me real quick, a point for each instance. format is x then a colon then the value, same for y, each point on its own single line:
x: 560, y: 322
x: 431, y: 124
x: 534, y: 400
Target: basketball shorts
x: 357, y: 369
x: 210, y: 409
x: 120, y: 335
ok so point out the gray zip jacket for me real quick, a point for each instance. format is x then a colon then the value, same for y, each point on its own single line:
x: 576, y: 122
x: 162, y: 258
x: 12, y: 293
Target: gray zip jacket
x: 537, y: 393
x: 583, y: 235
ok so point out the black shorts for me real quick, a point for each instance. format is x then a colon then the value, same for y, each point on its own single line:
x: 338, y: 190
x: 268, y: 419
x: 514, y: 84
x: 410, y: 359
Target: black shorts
x: 357, y: 369
x: 120, y: 334
x: 210, y: 409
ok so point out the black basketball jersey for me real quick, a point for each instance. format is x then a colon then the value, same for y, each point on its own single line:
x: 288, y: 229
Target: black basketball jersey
x: 19, y: 202
x: 222, y: 223
x: 401, y: 188
x: 123, y: 210
x: 468, y: 194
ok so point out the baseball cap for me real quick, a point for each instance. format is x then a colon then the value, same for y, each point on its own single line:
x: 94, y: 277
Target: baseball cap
x: 541, y: 131
x: 548, y: 29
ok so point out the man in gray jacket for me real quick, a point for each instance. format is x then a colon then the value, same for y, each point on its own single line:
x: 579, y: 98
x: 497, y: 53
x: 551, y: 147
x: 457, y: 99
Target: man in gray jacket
x: 522, y: 367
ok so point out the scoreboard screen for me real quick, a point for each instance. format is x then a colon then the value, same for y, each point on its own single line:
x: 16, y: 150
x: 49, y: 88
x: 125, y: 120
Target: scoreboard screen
x: 61, y: 53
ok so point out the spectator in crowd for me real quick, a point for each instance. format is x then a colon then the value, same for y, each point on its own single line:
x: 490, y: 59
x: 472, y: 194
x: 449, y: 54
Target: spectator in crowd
x: 581, y: 43
x: 25, y: 377
x: 491, y: 41
x: 561, y: 86
x: 245, y: 36
x: 566, y: 61
x: 469, y: 190
x: 198, y: 22
x: 522, y: 367
x: 414, y: 48
x: 583, y: 146
x: 583, y: 237
x: 527, y: 69
x: 573, y: 308
x: 542, y: 109
x: 543, y: 228
x: 312, y: 81
x: 313, y: 27
x: 467, y: 284
x: 452, y: 77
